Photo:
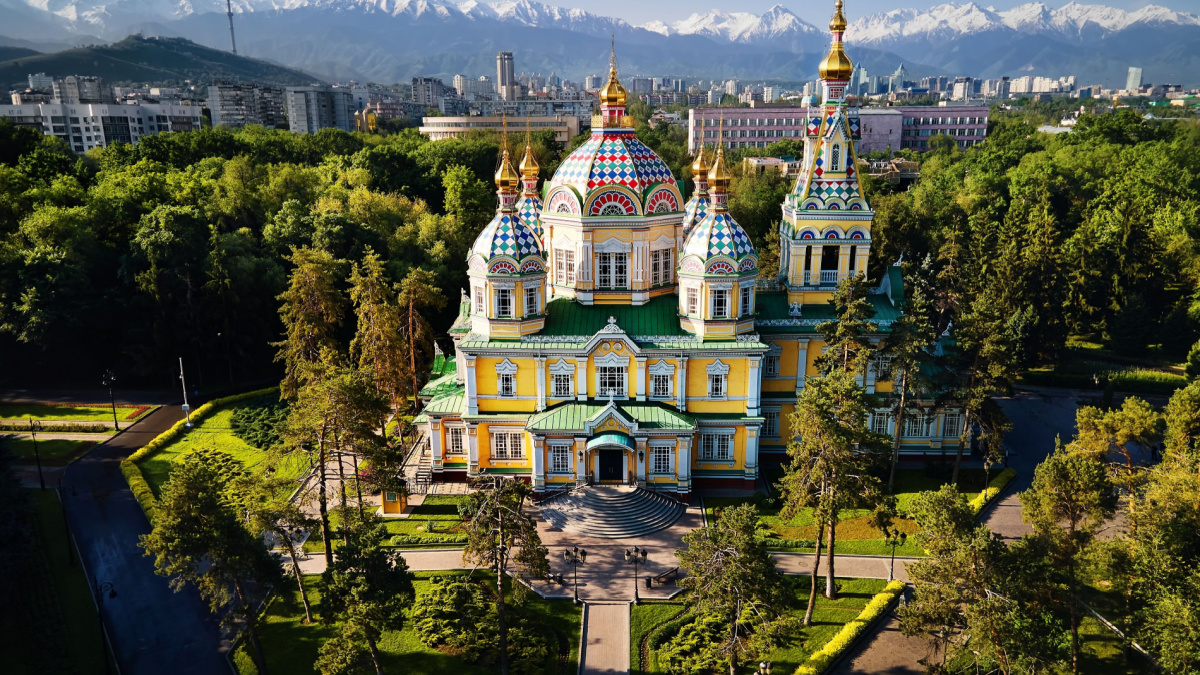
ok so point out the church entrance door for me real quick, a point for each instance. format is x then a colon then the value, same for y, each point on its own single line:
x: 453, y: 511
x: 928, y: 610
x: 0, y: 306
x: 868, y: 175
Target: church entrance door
x: 610, y: 466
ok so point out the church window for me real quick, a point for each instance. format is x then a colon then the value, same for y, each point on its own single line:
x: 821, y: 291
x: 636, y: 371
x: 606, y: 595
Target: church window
x: 660, y: 460
x: 612, y: 381
x: 531, y: 301
x: 660, y: 266
x: 720, y: 304
x: 507, y: 445
x: 879, y: 422
x: 835, y: 158
x: 716, y: 447
x: 883, y: 366
x: 717, y: 385
x: 660, y: 386
x: 507, y: 384
x: 614, y: 270
x: 770, y: 423
x: 560, y: 459
x: 564, y: 267
x: 771, y: 365
x: 918, y: 426
x: 747, y: 304
x: 478, y: 292
x: 562, y: 385
x: 952, y: 426
x: 693, y: 302
x: 504, y: 303
x: 454, y: 445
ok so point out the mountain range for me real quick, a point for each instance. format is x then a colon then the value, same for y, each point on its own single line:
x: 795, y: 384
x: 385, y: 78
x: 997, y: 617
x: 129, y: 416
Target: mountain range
x: 392, y: 40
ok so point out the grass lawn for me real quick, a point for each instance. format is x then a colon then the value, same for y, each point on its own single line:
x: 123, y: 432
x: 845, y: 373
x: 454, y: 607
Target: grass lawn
x: 50, y: 625
x: 70, y: 411
x: 828, y: 618
x: 214, y: 432
x: 854, y: 535
x: 441, y: 509
x: 644, y: 618
x: 291, y: 647
x: 54, y: 452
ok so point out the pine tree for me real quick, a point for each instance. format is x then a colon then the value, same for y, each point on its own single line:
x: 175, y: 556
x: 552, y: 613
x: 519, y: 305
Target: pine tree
x: 418, y: 295
x: 377, y: 346
x: 847, y: 346
x: 910, y: 344
x: 311, y: 312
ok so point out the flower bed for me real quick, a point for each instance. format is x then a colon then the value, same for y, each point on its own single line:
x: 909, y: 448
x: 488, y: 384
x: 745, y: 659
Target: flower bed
x: 995, y: 486
x: 820, y: 660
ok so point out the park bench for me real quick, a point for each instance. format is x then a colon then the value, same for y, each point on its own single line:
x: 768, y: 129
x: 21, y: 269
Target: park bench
x: 670, y: 575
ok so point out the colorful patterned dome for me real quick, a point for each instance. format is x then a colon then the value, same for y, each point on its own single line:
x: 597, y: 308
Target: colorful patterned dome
x: 695, y: 211
x: 507, y: 237
x: 614, y: 173
x: 719, y: 236
x: 529, y: 210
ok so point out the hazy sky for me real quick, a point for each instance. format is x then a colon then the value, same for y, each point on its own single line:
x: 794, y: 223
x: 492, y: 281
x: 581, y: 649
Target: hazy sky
x: 813, y: 11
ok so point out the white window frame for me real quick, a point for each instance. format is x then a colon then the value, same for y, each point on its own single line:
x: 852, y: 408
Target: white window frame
x: 504, y: 303
x: 607, y: 376
x: 612, y: 270
x: 556, y: 391
x: 661, y: 266
x: 560, y: 458
x: 564, y: 267
x: 918, y: 425
x: 879, y: 422
x: 952, y: 422
x: 835, y: 157
x: 883, y: 366
x: 532, y: 301
x: 770, y: 428
x: 456, y: 440
x: 746, y: 300
x: 506, y: 379
x: 716, y: 446
x: 658, y: 370
x: 478, y: 300
x: 693, y: 301
x: 721, y: 295
x: 718, y: 380
x: 508, y: 445
x: 657, y: 391
x: 562, y: 368
x: 660, y: 460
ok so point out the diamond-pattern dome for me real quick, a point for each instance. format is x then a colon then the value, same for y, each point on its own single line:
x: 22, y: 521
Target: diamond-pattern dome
x: 612, y: 157
x: 529, y: 209
x: 718, y: 235
x: 507, y: 236
x: 695, y: 210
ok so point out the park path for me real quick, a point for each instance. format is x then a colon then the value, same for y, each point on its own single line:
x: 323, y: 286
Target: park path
x: 153, y: 629
x: 605, y: 638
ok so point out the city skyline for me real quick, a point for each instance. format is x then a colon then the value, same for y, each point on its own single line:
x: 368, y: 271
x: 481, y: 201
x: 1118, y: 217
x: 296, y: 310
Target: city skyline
x: 637, y: 12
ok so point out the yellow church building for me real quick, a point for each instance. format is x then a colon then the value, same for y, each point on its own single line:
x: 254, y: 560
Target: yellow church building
x: 612, y: 333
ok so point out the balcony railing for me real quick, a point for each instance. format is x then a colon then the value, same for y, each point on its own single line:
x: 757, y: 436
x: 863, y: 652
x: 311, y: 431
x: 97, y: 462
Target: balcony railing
x: 829, y: 277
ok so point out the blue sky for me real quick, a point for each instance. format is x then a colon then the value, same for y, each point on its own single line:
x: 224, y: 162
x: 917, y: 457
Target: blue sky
x: 814, y: 11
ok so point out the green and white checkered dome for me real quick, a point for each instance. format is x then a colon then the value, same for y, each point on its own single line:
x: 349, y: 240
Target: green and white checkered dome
x: 508, y: 237
x: 717, y: 236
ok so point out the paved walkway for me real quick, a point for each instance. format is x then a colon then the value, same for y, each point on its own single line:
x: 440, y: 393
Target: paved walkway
x: 154, y: 629
x: 605, y: 639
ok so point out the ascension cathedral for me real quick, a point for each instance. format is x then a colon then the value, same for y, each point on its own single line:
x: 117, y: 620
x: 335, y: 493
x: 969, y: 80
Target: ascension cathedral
x: 614, y: 333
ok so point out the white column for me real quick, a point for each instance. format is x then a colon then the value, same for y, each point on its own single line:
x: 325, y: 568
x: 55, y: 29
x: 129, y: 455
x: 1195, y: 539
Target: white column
x: 753, y: 385
x: 843, y: 261
x: 683, y: 470
x: 801, y: 365
x: 580, y: 459
x: 472, y: 450
x: 644, y: 450
x: 539, y: 462
x: 871, y: 376
x: 581, y: 387
x: 814, y: 279
x: 681, y: 389
x: 435, y: 444
x: 751, y: 453
x: 472, y: 398
x: 541, y: 383
x: 641, y: 378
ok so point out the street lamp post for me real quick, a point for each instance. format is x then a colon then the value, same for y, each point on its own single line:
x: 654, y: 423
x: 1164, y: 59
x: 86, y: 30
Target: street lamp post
x: 636, y: 557
x: 108, y: 381
x: 575, y: 557
x: 186, y: 408
x: 103, y: 590
x: 896, y: 538
x: 33, y: 429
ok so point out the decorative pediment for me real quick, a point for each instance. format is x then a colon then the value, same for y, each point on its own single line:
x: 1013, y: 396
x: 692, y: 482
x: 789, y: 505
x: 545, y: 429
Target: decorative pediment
x: 717, y: 368
x: 611, y: 359
x: 506, y: 367
x: 613, y: 245
x: 561, y: 367
x: 610, y: 418
x: 662, y: 367
x: 775, y: 350
x: 609, y: 332
x: 662, y: 242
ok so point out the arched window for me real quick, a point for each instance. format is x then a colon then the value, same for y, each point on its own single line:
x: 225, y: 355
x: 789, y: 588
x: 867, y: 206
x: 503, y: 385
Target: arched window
x: 835, y: 158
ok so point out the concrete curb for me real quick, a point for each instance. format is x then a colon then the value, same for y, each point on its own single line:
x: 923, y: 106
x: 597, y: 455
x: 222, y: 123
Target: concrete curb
x: 583, y: 625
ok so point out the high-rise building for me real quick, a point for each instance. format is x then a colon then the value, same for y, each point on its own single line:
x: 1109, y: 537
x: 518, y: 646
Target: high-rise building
x: 81, y: 89
x: 1133, y: 81
x: 239, y: 104
x: 311, y: 109
x: 506, y: 83
x: 84, y: 126
x: 591, y: 82
x: 731, y: 87
x: 427, y: 91
x: 41, y: 81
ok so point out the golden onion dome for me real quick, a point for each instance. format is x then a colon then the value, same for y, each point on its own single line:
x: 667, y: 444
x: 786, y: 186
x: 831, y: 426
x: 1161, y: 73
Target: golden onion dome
x: 507, y: 178
x: 613, y: 92
x: 718, y: 175
x: 838, y: 23
x: 836, y: 65
x: 529, y: 165
x: 699, y: 165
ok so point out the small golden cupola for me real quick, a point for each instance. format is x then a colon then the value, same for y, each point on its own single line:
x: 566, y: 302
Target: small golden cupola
x: 836, y: 65
x: 529, y: 206
x: 697, y: 206
x: 613, y: 97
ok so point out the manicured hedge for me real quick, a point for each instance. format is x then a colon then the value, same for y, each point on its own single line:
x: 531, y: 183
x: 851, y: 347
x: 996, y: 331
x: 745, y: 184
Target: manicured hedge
x: 994, y: 487
x: 773, y: 544
x: 133, y: 474
x: 426, y: 540
x: 824, y: 657
x: 669, y: 630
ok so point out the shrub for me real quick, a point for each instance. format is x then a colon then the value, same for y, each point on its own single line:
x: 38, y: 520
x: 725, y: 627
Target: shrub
x: 260, y: 421
x: 425, y: 540
x: 692, y: 649
x: 669, y: 630
x: 824, y: 657
x: 771, y: 543
x: 141, y: 489
x: 994, y: 487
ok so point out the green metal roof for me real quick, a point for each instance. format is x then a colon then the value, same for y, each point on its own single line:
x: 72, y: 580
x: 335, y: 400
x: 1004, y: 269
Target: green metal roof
x: 611, y: 438
x: 774, y: 314
x: 648, y: 415
x: 462, y: 323
x: 896, y: 280
x: 660, y: 316
x: 447, y: 405
x: 439, y: 386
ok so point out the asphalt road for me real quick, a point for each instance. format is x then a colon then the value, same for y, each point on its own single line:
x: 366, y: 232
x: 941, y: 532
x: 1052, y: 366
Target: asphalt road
x: 154, y: 630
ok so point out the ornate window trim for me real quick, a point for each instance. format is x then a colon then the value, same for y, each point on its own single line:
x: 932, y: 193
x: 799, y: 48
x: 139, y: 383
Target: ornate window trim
x: 612, y: 245
x: 611, y: 359
x: 661, y: 367
x: 561, y: 367
x: 506, y: 367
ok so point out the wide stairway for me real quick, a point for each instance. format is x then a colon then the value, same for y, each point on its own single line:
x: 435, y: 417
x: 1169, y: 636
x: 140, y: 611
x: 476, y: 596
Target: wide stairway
x: 611, y: 512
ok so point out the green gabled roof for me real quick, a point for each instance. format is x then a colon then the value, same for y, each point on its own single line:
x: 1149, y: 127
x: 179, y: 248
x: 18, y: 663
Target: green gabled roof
x: 462, y: 323
x: 439, y: 386
x: 660, y: 316
x: 449, y: 404
x: 774, y: 314
x: 647, y: 415
x: 443, y: 365
x: 896, y: 281
x: 692, y: 345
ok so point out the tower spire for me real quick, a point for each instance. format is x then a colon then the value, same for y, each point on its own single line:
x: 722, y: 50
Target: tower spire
x: 529, y: 165
x: 836, y: 66
x: 506, y: 176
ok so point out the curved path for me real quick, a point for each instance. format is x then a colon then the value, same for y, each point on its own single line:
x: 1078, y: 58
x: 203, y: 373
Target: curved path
x: 154, y: 630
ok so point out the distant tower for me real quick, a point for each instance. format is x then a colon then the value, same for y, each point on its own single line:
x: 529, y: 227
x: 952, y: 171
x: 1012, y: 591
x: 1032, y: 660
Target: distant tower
x: 505, y: 82
x: 229, y: 13
x: 1134, y: 81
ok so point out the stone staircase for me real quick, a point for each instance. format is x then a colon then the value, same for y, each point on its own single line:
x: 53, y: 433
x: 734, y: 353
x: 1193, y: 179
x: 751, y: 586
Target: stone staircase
x: 611, y: 512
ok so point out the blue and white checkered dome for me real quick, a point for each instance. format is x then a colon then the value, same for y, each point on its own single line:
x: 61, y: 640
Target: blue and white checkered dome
x: 529, y: 209
x: 507, y: 236
x: 719, y: 236
x: 615, y: 157
x: 695, y: 211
